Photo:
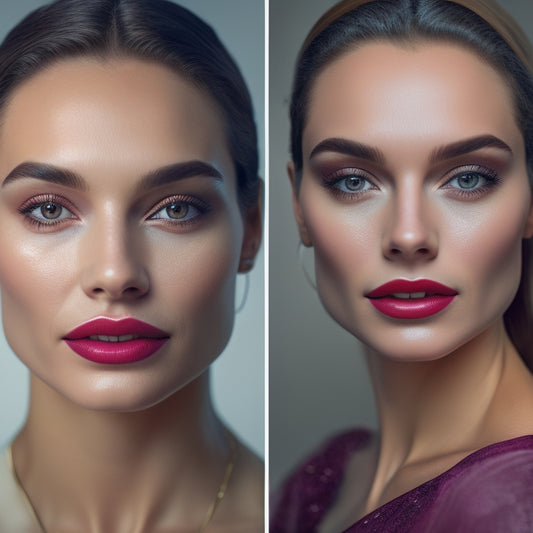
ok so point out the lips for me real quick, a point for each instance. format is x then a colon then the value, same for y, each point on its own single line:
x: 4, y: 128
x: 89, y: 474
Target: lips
x: 115, y: 341
x: 406, y: 299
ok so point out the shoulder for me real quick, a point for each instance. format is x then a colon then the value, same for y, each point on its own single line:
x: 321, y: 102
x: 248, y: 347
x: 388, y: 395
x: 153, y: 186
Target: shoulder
x: 490, y: 490
x: 14, y: 516
x: 311, y: 488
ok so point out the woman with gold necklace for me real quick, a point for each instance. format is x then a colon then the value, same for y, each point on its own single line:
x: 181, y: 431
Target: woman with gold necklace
x: 129, y: 201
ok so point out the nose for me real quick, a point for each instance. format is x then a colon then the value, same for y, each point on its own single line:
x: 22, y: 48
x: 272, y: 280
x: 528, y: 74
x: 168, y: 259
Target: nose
x: 112, y: 265
x: 410, y: 234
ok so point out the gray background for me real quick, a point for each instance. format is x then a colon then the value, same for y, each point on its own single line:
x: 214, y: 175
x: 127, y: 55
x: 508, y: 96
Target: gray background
x: 238, y: 376
x: 318, y: 380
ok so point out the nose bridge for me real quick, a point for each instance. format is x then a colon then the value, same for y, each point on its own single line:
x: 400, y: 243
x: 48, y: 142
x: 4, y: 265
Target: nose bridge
x: 410, y: 233
x: 111, y: 258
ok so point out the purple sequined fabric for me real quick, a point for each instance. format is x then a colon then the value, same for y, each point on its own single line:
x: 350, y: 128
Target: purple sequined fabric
x: 490, y: 491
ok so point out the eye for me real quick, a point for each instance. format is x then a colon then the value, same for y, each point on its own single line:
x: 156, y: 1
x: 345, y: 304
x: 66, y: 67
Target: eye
x: 179, y: 210
x: 349, y: 183
x: 46, y: 211
x: 472, y: 182
x: 354, y: 184
x: 467, y: 181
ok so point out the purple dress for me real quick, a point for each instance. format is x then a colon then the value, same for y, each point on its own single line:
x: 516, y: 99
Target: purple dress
x: 489, y: 491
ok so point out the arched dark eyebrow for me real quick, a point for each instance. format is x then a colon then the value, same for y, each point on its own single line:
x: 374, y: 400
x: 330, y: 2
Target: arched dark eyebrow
x: 67, y: 178
x: 178, y: 171
x: 363, y: 151
x: 466, y: 146
x: 50, y: 173
x: 347, y: 147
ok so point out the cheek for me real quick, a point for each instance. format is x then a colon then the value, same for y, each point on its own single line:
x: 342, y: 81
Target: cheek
x: 345, y: 242
x: 196, y: 280
x: 488, y: 249
x: 35, y: 279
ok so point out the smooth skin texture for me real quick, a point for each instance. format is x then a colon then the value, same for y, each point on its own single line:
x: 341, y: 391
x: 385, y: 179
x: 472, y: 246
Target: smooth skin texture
x: 420, y: 201
x: 133, y: 447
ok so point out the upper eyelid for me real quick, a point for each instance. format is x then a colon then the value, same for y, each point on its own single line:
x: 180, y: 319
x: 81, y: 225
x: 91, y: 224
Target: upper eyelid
x: 347, y: 171
x: 487, y: 172
x: 40, y: 199
x: 196, y: 202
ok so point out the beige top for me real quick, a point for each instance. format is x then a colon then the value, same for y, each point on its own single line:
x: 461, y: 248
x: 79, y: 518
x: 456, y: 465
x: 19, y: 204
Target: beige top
x: 15, y: 517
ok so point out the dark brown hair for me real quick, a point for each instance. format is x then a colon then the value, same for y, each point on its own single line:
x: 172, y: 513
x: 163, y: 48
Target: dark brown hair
x: 154, y: 30
x: 480, y: 25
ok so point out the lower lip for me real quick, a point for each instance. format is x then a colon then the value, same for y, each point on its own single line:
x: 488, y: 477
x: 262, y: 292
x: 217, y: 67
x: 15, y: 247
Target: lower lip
x: 115, y: 353
x: 413, y: 308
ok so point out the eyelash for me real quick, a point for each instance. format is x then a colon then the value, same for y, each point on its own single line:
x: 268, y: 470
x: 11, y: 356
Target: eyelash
x: 333, y: 181
x: 43, y: 224
x: 490, y: 176
x: 39, y: 201
x: 190, y: 201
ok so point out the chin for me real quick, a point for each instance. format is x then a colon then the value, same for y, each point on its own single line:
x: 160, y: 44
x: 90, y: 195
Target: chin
x: 118, y: 400
x: 430, y: 342
x: 125, y: 390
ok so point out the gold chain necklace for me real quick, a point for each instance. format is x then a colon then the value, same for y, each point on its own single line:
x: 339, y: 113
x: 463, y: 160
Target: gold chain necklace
x: 210, y: 512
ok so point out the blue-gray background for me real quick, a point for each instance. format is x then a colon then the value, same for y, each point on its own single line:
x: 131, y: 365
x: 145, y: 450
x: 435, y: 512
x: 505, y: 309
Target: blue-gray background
x: 238, y: 375
x: 318, y: 380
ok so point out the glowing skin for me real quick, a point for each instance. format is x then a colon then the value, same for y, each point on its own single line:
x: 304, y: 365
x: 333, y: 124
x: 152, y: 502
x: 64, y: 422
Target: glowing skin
x: 414, y: 175
x: 115, y: 250
x: 119, y: 201
x: 412, y: 215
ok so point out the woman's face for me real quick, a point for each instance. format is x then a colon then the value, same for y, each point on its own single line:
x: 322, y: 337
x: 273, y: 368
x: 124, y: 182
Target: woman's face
x: 118, y: 200
x: 414, y: 171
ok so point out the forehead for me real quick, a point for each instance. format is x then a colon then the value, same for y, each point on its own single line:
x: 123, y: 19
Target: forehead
x: 382, y: 91
x: 87, y: 111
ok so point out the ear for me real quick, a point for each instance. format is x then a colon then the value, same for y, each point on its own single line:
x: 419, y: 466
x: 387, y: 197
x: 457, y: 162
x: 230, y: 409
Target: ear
x: 528, y: 229
x: 302, y: 228
x: 253, y: 232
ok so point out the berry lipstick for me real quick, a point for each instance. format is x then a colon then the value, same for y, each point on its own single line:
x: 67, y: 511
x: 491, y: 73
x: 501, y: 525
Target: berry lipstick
x: 406, y: 299
x: 115, y: 341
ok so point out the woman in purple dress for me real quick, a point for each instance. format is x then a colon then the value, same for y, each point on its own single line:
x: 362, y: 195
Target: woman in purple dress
x: 412, y: 166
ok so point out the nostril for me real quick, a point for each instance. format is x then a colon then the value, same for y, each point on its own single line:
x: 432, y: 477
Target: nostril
x: 131, y: 290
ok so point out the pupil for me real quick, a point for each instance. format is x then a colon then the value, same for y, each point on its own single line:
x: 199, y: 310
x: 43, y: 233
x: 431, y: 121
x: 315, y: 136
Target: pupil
x: 50, y: 210
x: 468, y: 181
x: 177, y: 210
x: 354, y: 183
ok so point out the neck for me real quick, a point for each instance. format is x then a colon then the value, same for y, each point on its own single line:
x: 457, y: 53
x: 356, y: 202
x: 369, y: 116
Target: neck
x: 436, y: 412
x: 121, y: 471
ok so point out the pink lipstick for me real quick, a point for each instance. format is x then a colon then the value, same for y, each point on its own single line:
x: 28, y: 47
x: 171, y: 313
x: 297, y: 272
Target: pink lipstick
x: 115, y: 341
x: 405, y: 299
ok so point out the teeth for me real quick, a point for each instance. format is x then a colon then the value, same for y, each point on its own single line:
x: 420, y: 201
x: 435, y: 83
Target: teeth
x: 111, y: 338
x: 409, y: 295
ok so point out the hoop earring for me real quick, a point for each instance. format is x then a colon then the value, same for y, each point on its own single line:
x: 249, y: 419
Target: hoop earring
x: 244, y: 297
x: 301, y: 262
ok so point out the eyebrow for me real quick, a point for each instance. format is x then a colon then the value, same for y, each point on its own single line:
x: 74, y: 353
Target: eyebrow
x: 45, y: 172
x: 176, y: 172
x: 67, y: 178
x: 466, y: 146
x: 449, y: 151
x: 347, y: 147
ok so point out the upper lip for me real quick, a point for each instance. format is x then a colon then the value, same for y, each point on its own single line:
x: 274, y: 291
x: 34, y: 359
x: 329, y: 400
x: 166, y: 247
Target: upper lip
x: 116, y: 327
x: 431, y: 288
